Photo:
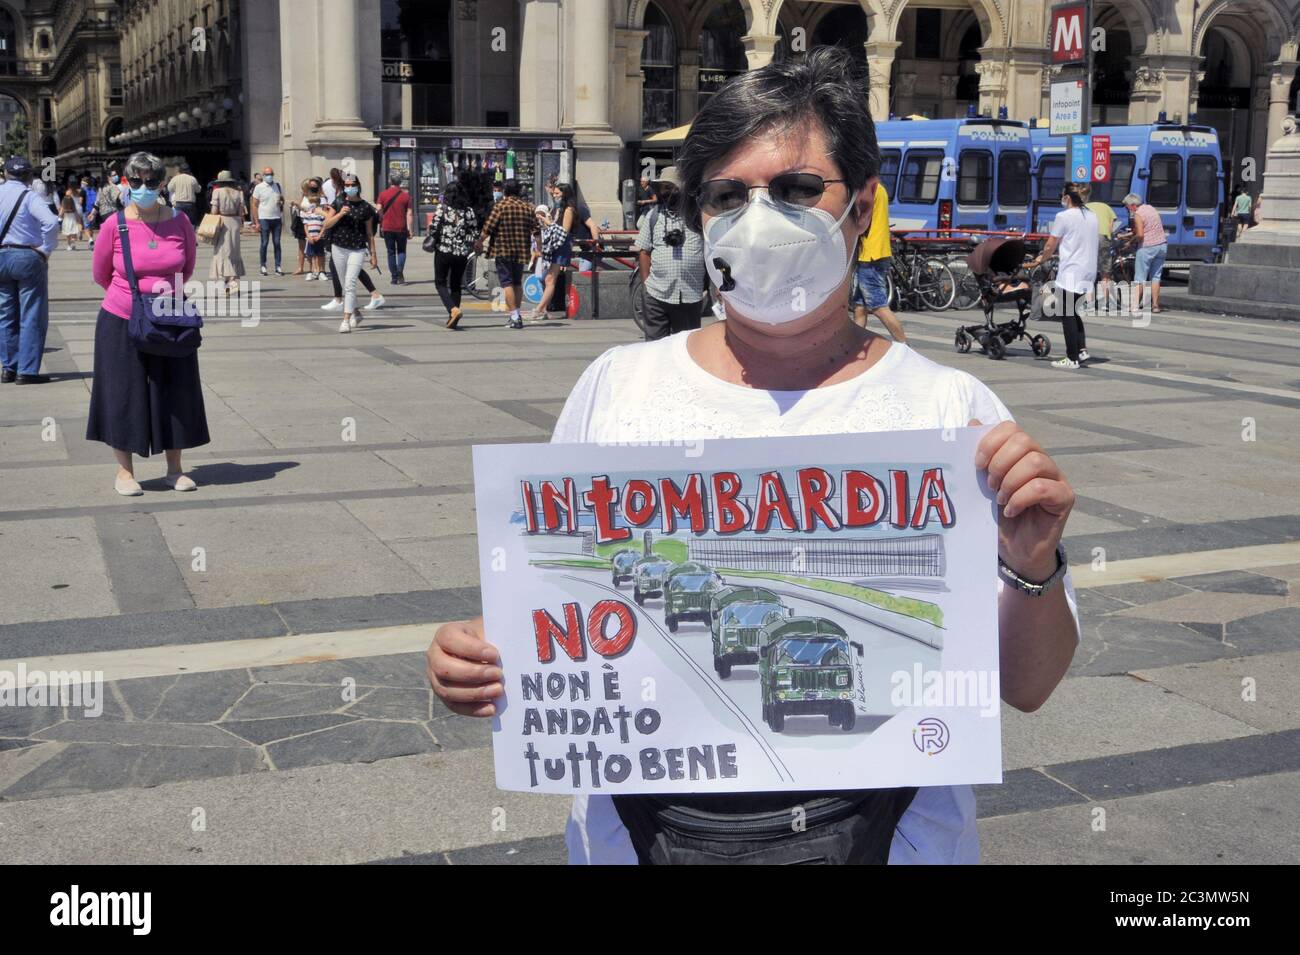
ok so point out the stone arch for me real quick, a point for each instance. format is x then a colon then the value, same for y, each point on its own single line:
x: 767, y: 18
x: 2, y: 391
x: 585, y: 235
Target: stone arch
x: 962, y: 22
x: 1133, y: 15
x: 1277, y: 25
x: 987, y: 12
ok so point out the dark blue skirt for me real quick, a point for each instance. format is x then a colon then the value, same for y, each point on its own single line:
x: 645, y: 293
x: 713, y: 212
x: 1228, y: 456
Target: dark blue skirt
x: 144, y: 404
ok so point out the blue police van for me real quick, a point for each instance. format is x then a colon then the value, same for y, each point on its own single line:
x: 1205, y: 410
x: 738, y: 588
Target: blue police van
x: 969, y: 173
x: 1178, y: 169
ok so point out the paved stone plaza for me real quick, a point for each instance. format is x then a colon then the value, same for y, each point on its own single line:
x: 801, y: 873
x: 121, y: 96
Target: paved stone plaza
x: 263, y: 637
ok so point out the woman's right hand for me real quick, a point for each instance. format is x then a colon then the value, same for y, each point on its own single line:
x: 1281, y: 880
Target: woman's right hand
x: 464, y: 669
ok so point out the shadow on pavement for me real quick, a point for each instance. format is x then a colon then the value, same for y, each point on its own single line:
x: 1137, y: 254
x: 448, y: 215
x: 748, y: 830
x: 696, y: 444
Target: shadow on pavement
x: 228, y: 472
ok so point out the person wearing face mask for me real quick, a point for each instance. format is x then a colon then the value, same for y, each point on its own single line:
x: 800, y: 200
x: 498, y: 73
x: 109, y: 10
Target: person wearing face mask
x: 1074, y: 239
x: 228, y: 203
x: 670, y: 255
x: 140, y: 403
x: 351, y: 228
x: 268, y: 216
x: 778, y: 173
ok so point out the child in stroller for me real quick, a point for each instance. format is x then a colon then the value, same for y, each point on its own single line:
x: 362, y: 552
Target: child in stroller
x: 997, y: 267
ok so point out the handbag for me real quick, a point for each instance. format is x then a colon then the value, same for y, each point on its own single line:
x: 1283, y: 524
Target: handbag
x: 209, y: 228
x: 164, y: 325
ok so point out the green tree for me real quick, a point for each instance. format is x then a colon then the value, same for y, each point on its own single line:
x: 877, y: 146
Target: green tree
x: 16, y: 138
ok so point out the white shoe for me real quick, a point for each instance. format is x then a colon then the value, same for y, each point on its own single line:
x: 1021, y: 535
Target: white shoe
x: 1083, y: 355
x: 355, y: 319
x: 179, y: 482
x: 127, y: 487
x: 321, y: 276
x: 1066, y: 363
x: 334, y: 306
x: 344, y: 327
x: 311, y: 277
x: 375, y: 303
x: 264, y: 270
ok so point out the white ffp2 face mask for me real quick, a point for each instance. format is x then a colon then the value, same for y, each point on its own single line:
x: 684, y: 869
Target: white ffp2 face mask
x: 775, y: 263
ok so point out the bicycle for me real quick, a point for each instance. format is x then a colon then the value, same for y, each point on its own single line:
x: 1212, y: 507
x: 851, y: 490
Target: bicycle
x: 919, y: 282
x: 471, y: 283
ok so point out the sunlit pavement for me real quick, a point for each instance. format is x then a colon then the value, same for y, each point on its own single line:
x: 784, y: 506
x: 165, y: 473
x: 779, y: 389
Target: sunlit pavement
x: 261, y: 636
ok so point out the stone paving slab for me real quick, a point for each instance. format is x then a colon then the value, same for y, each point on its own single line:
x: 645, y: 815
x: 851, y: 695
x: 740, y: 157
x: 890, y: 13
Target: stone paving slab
x: 426, y: 803
x: 1102, y: 716
x: 1270, y: 702
x: 421, y: 517
x: 52, y: 569
x: 300, y: 551
x: 1222, y: 823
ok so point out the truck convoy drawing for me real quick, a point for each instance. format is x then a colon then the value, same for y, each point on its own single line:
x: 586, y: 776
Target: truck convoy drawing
x: 620, y: 565
x: 737, y: 618
x: 805, y: 663
x: 648, y: 576
x: 805, y: 668
x: 687, y: 589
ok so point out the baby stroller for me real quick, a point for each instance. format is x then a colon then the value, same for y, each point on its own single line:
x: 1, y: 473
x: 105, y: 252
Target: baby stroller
x: 997, y: 267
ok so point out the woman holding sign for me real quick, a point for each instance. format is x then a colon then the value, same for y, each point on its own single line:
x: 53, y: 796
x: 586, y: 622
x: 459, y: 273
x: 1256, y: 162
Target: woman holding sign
x: 779, y: 173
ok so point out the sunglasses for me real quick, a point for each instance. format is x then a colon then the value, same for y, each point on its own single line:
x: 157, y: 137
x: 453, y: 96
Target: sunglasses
x: 803, y: 189
x: 135, y: 182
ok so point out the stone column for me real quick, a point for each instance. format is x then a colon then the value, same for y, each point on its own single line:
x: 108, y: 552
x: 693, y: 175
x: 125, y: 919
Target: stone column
x: 1024, y: 83
x: 540, y: 102
x: 688, y: 85
x: 880, y: 62
x: 631, y: 42
x: 1282, y: 73
x: 759, y: 48
x: 992, y: 70
x: 596, y: 147
x: 339, y: 136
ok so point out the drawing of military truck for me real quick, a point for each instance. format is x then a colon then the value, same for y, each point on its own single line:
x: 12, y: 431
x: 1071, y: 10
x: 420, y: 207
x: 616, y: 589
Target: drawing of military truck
x: 805, y: 668
x: 738, y: 617
x: 620, y: 565
x: 687, y: 589
x: 648, y: 575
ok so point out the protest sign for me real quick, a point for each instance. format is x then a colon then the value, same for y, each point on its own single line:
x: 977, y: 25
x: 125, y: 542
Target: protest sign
x: 795, y: 613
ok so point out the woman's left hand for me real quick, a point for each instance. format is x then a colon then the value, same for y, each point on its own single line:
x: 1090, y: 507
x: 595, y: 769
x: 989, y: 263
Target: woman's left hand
x: 1034, y: 496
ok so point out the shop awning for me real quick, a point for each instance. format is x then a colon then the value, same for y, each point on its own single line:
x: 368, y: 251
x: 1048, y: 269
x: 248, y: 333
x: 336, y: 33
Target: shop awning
x: 669, y: 137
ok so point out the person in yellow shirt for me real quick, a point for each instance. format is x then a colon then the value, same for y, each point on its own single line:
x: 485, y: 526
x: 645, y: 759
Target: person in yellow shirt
x: 1105, y: 246
x: 871, y: 291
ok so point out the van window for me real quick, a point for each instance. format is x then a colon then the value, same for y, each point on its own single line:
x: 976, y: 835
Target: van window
x: 1202, y: 182
x: 889, y: 162
x: 920, y: 178
x: 1051, y: 178
x: 1013, y: 179
x: 1165, y: 187
x: 975, y: 177
x: 1120, y: 182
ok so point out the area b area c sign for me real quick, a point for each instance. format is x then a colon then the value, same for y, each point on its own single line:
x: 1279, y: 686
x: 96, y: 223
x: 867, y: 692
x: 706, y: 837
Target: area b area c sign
x: 1069, y: 33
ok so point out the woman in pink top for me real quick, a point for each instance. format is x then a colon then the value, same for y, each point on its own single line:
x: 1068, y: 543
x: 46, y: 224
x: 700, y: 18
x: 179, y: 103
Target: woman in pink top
x: 143, y: 404
x: 1154, y: 243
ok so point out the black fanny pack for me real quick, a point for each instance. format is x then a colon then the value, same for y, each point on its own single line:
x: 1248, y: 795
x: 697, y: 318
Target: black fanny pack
x: 839, y: 828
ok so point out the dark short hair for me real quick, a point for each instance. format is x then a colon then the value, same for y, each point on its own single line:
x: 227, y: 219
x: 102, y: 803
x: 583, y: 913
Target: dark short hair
x: 395, y: 180
x: 827, y: 85
x: 513, y: 187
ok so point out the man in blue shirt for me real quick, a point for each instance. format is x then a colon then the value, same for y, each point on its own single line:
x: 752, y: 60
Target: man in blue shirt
x: 28, y: 234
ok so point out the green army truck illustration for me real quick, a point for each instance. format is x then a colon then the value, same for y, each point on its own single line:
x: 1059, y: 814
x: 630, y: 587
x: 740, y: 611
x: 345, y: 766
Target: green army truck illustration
x: 805, y: 668
x: 648, y: 575
x: 687, y: 589
x: 621, y: 564
x: 738, y: 616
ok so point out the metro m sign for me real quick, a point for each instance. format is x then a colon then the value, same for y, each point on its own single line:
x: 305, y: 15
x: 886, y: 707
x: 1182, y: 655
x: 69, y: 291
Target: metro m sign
x: 1070, y: 28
